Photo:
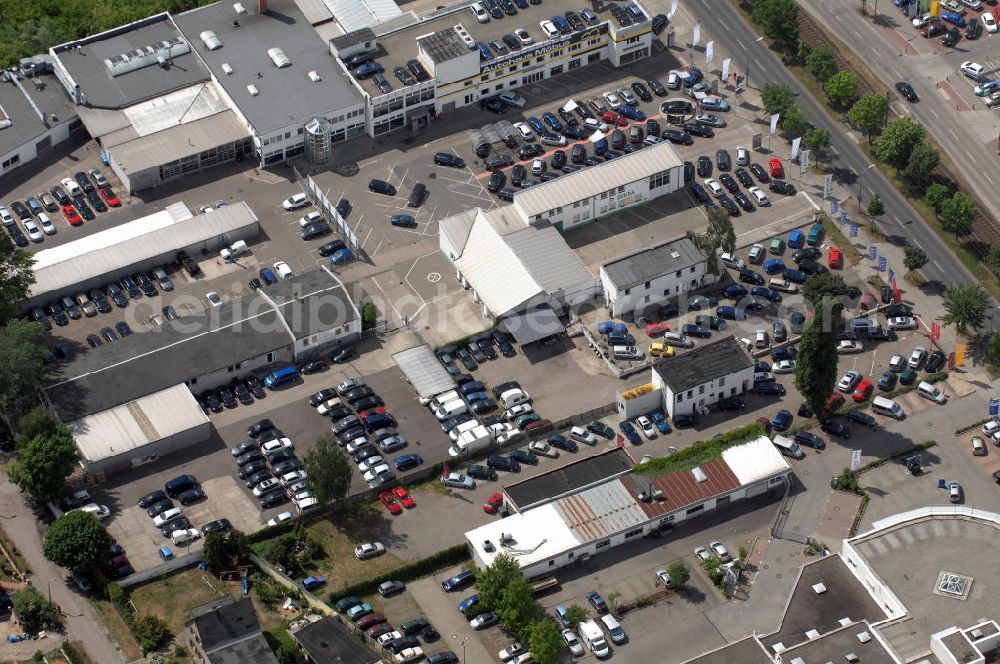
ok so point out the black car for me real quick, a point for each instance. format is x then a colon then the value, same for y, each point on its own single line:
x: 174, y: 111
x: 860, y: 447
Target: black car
x: 729, y: 182
x: 108, y: 334
x: 561, y: 442
x: 84, y: 181
x: 836, y: 428
x: 759, y: 173
x: 810, y: 439
x: 732, y: 403
x: 676, y: 106
x: 782, y: 187
x: 907, y: 91
x: 496, y: 181
x: 657, y: 87
x: 217, y: 526
x: 486, y: 347
x: 558, y: 159
x: 699, y: 192
x: 84, y: 209
x: 159, y: 507
x: 448, y: 159
x: 94, y: 341
x: 145, y: 283
x: 404, y: 76
x: 273, y: 498
x: 58, y: 315
x: 660, y: 22
x: 503, y: 463
x: 699, y: 129
x: 418, y: 70
x: 751, y: 277
x: 403, y: 642
x: 518, y: 174
x: 100, y: 300
x: 862, y: 418
x: 704, y: 168
x: 722, y: 159
x: 641, y: 91
x: 97, y: 202
x: 211, y: 399
x: 897, y: 310
x: 180, y: 523
x: 61, y: 195
x: 191, y: 496
x: 343, y: 354
x: 150, y: 498
x: 744, y: 177
x: 248, y: 470
x: 256, y: 388
x: 934, y: 362
x: 257, y: 478
x: 744, y: 201
x: 117, y: 295
x: 731, y: 207
x: 315, y: 230
x: 951, y: 37
x: 18, y: 236
x: 259, y: 427
x: 529, y: 151
x: 242, y: 393
x: 503, y: 343
x: 810, y: 266
x: 806, y: 253
x: 676, y: 136
x: 973, y: 29
x: 227, y: 397
x: 251, y: 455
x: 688, y: 171
x: 331, y: 248
x: 683, y: 420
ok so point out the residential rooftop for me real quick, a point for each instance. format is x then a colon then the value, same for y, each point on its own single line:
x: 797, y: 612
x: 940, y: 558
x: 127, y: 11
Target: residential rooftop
x: 653, y: 262
x: 20, y: 104
x: 704, y: 363
x: 327, y: 641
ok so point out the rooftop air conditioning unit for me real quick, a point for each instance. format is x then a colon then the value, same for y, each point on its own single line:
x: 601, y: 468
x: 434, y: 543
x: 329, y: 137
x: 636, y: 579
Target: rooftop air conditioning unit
x: 864, y: 637
x: 658, y: 495
x: 314, y: 76
x: 226, y: 68
x: 252, y: 89
x: 674, y: 255
x: 851, y: 657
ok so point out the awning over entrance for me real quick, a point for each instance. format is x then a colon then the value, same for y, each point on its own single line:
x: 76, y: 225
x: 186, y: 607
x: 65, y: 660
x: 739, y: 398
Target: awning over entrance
x: 532, y: 325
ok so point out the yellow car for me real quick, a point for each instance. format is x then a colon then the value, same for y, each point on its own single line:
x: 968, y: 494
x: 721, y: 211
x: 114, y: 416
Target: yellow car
x: 659, y: 350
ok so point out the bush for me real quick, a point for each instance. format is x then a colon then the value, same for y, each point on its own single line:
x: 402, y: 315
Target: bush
x: 444, y: 558
x: 149, y: 630
x: 369, y: 316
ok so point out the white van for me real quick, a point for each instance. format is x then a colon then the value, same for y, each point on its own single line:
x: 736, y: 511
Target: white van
x: 788, y: 447
x: 931, y: 393
x: 732, y: 260
x: 886, y: 406
x: 677, y: 339
x: 614, y: 630
x: 582, y: 435
x: 627, y: 353
x: 462, y: 428
x: 442, y: 399
x: 451, y: 409
x: 513, y: 397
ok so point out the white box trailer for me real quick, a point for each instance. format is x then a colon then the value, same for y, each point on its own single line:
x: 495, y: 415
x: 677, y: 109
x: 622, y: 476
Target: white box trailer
x: 475, y: 440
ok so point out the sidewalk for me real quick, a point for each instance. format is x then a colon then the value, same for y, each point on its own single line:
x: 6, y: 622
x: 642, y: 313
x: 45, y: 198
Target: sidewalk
x: 81, y: 622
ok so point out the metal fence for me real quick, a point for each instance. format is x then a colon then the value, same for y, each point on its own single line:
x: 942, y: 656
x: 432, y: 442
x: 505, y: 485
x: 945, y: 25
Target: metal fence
x: 329, y: 210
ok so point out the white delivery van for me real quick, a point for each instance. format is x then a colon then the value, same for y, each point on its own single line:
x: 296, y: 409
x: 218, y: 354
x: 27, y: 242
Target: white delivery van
x: 462, y: 428
x: 442, y: 399
x: 886, y: 406
x: 594, y: 638
x: 513, y: 397
x: 451, y: 409
x: 788, y: 447
x: 237, y: 248
x: 615, y: 630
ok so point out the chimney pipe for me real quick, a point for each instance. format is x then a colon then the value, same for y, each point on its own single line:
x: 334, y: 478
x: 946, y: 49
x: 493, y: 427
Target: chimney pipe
x: 261, y: 6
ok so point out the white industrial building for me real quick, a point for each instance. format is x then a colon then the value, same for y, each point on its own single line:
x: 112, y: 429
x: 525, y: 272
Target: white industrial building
x: 96, y: 260
x: 653, y: 275
x: 576, y: 524
x: 140, y: 431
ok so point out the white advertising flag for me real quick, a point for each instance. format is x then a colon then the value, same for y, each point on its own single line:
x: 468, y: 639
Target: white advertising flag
x: 709, y: 51
x: 725, y: 68
x: 774, y: 122
x: 696, y: 35
x: 795, y: 146
x: 673, y: 9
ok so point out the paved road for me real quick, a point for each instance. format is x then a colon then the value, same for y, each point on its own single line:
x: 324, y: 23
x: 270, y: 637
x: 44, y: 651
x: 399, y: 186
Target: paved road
x: 26, y: 532
x: 737, y: 38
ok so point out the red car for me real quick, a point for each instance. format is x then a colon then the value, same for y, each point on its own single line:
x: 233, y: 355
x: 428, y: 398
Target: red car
x: 379, y: 630
x: 613, y: 119
x: 403, y: 497
x: 777, y: 170
x: 863, y: 390
x: 932, y: 29
x: 493, y: 503
x: 72, y: 216
x: 390, y: 503
x: 536, y: 424
x: 109, y: 197
x: 835, y: 258
x: 834, y: 401
x: 655, y: 329
x: 363, y: 415
x: 370, y: 620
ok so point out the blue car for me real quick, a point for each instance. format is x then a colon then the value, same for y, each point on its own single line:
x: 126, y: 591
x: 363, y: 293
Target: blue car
x: 795, y: 239
x: 714, y: 104
x: 314, y: 582
x: 730, y: 313
x: 774, y: 265
x: 552, y: 121
x: 461, y: 580
x: 477, y: 396
x: 694, y: 76
x: 765, y: 292
x: 954, y: 18
x: 407, y: 461
x: 537, y: 125
x: 468, y: 603
x: 660, y: 421
x: 562, y: 24
x: 267, y: 276
x: 609, y: 327
x: 734, y: 291
x: 629, y: 432
x: 341, y: 256
x: 484, y: 51
x: 782, y: 420
x: 632, y: 113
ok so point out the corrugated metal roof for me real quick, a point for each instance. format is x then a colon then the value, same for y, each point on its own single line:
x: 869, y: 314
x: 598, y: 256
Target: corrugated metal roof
x: 68, y: 264
x: 551, y: 262
x: 137, y: 423
x: 315, y: 11
x: 600, y: 512
x: 574, y: 476
x: 592, y: 181
x: 101, y: 121
x: 356, y: 14
x: 179, y: 141
x: 456, y: 228
x: 755, y: 460
x: 180, y: 107
x: 680, y: 489
x: 423, y: 371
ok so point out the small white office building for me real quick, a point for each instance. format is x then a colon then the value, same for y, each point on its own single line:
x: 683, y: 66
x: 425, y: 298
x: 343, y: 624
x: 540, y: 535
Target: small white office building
x: 692, y: 380
x: 653, y: 275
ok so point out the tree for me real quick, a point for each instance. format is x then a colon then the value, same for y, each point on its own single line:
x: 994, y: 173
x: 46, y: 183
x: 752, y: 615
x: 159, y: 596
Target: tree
x: 965, y: 305
x: 915, y: 257
x: 18, y: 277
x: 869, y: 113
x: 709, y: 245
x: 803, y: 51
x: 816, y: 364
x: 993, y: 348
x: 21, y: 368
x: 957, y: 213
x: 518, y: 608
x: 576, y: 614
x: 993, y: 259
x: 679, y: 575
x: 818, y: 139
x: 491, y: 582
x: 897, y: 141
x: 150, y: 630
x: 329, y: 470
x: 36, y: 422
x: 33, y: 611
x: 545, y: 641
x: 77, y: 541
x: 876, y: 208
x: 225, y: 551
x: 821, y: 64
x: 936, y: 195
x: 369, y: 316
x: 777, y: 98
x: 44, y: 464
x: 794, y: 122
x: 720, y: 227
x: 923, y: 160
x: 778, y: 19
x: 842, y: 88
x: 828, y: 285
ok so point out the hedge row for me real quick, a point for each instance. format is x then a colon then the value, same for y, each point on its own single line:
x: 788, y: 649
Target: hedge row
x: 701, y: 452
x: 421, y: 568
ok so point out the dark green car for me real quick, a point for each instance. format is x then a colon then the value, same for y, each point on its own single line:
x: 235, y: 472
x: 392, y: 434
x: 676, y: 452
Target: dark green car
x: 908, y: 377
x: 523, y: 456
x: 481, y: 472
x: 348, y: 602
x: 601, y: 429
x: 413, y: 626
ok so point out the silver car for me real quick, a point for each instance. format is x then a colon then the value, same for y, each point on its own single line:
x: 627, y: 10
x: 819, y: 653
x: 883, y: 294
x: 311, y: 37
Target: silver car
x: 458, y: 481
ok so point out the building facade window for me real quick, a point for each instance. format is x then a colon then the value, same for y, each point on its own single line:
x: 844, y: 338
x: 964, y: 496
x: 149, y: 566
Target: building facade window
x: 602, y: 544
x: 658, y: 180
x: 695, y: 509
x: 633, y: 533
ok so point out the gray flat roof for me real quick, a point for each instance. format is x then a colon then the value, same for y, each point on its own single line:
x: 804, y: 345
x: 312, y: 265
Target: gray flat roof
x: 327, y: 641
x: 703, y: 363
x: 25, y: 125
x: 219, y: 623
x: 836, y: 646
x: 443, y: 45
x: 744, y: 651
x: 84, y: 60
x: 286, y: 96
x: 568, y: 479
x: 844, y: 597
x: 648, y: 264
x: 329, y: 303
x: 424, y: 371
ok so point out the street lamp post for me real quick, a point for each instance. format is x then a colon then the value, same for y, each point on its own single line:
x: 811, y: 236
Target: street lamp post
x: 455, y: 636
x: 49, y: 587
x: 746, y: 70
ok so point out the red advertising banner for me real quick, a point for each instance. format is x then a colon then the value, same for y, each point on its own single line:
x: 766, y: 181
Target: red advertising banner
x: 935, y: 331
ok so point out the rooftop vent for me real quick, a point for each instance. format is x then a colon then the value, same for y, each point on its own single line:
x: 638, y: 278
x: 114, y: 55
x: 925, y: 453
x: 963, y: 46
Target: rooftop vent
x: 674, y: 255
x: 148, y: 55
x: 226, y: 68
x: 976, y: 634
x: 252, y: 89
x: 844, y: 622
x: 239, y: 8
x: 211, y: 41
x: 851, y: 657
x: 819, y: 588
x: 812, y: 634
x: 864, y: 637
x: 798, y: 660
x: 314, y: 77
x: 466, y: 37
x: 279, y: 58
x: 699, y: 475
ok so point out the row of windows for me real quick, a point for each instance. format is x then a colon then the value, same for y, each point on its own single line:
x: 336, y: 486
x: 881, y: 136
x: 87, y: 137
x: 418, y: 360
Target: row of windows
x: 13, y: 161
x: 666, y: 291
x: 701, y: 390
x: 658, y: 180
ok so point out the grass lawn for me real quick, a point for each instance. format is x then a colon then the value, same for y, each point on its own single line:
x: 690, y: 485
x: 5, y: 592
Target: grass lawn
x: 835, y: 237
x: 117, y: 627
x: 172, y: 597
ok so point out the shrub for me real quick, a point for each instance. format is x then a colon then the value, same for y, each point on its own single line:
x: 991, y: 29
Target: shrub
x: 149, y: 630
x: 369, y: 316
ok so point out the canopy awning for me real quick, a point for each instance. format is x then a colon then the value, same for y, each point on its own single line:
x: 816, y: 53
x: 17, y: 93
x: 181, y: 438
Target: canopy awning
x: 532, y: 325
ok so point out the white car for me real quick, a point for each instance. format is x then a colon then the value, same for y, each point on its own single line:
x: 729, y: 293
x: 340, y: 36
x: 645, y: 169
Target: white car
x: 480, y: 12
x: 759, y: 196
x: 213, y: 299
x: 742, y: 156
x: 523, y: 37
x: 301, y: 495
x: 184, y: 536
x: 369, y: 550
x: 542, y: 448
x: 538, y: 166
x: 292, y: 477
x: 513, y: 99
x: 293, y: 202
x: 409, y: 655
x: 783, y: 367
x: 47, y: 226
x: 664, y: 577
x: 280, y: 518
x: 510, y: 651
x: 33, y: 231
x: 387, y: 637
x: 973, y: 70
x: 714, y: 186
x: 922, y: 20
x: 757, y: 252
x: 572, y: 642
x: 848, y: 381
x: 674, y: 79
x: 989, y: 22
x: 902, y: 323
x: 71, y: 186
x: 310, y: 218
x: 265, y: 486
x: 374, y: 471
x: 648, y: 430
x: 171, y: 513
x: 369, y: 463
x: 283, y: 271
x: 327, y: 406
x: 917, y: 357
x: 594, y: 124
x: 520, y: 409
x: 760, y: 339
x: 272, y: 446
x: 720, y: 551
x: 991, y: 427
x: 549, y: 28
x: 849, y: 346
x: 6, y: 217
x: 102, y: 512
x: 525, y: 131
x: 613, y: 100
x: 703, y: 554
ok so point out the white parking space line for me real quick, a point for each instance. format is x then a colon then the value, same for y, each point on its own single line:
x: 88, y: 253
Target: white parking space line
x: 933, y: 112
x: 987, y: 176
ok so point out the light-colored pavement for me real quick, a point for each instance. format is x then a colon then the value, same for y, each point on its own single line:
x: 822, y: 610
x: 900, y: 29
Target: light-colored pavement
x: 81, y: 623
